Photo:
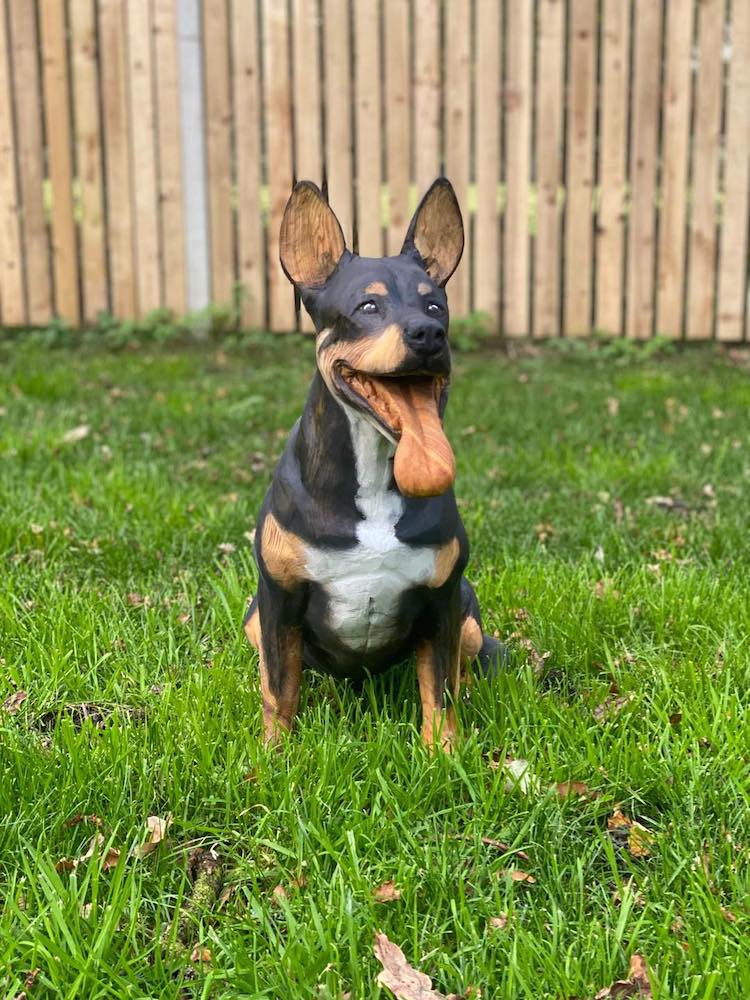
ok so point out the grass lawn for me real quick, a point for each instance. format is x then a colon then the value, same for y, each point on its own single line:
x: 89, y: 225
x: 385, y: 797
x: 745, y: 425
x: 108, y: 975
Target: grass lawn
x: 126, y: 567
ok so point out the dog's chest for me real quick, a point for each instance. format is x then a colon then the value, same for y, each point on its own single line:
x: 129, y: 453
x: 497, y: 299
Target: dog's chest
x: 364, y: 584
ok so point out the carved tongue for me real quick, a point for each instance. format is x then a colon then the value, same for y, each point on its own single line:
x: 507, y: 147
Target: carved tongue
x: 424, y: 465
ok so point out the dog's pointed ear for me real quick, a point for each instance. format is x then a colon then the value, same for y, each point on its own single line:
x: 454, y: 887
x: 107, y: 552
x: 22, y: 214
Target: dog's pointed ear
x: 311, y: 242
x: 436, y: 233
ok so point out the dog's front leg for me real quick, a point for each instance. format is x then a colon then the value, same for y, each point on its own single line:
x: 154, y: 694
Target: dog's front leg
x: 438, y: 669
x: 280, y: 654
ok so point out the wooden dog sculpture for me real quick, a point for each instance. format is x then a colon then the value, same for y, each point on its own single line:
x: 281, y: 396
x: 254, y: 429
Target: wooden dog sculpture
x: 359, y: 545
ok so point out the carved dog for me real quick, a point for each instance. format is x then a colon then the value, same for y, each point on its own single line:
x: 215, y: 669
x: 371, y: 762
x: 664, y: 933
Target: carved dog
x: 359, y: 545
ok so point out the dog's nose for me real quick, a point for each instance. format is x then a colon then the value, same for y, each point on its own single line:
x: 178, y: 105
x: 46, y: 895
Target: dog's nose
x: 425, y: 337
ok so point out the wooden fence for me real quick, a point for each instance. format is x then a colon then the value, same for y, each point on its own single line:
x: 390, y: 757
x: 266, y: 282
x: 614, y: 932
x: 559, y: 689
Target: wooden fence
x: 600, y: 150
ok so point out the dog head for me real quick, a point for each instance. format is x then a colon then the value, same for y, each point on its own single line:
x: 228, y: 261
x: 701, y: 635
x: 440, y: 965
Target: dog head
x: 382, y: 343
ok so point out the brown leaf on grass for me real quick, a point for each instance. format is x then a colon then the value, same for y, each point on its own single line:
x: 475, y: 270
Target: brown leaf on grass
x: 84, y: 818
x: 675, y: 719
x: 498, y: 923
x: 156, y: 831
x: 612, y: 705
x: 28, y: 983
x: 402, y: 979
x: 636, y: 985
x: 386, y: 893
x: 199, y: 954
x: 640, y: 841
x: 728, y: 915
x: 65, y: 865
x: 567, y: 788
x: 136, y: 600
x: 109, y: 860
x: 516, y: 875
x: 500, y: 845
x: 227, y: 548
x: 613, y: 406
x: 543, y: 531
x: 278, y: 894
x: 76, y: 434
x: 14, y: 701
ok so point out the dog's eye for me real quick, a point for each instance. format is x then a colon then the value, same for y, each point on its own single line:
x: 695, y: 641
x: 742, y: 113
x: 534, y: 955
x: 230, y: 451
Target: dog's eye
x: 368, y: 307
x: 435, y: 308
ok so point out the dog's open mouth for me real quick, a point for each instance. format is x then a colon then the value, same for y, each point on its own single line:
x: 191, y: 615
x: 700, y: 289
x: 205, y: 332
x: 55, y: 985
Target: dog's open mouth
x: 407, y: 408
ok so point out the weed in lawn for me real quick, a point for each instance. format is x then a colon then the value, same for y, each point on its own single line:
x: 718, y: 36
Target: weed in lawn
x: 610, y: 547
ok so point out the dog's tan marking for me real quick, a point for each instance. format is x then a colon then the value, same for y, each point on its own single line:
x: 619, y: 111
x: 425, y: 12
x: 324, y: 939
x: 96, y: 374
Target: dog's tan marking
x: 423, y: 288
x: 379, y: 354
x: 445, y: 560
x: 471, y: 638
x: 283, y: 554
x: 376, y: 288
x: 438, y: 723
x: 252, y: 629
x: 279, y: 709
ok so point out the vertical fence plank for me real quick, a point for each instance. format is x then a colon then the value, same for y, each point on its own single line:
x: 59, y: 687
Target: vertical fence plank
x: 427, y: 106
x: 670, y: 284
x: 702, y: 248
x: 549, y: 88
x: 219, y: 148
x: 89, y: 157
x: 643, y: 154
x: 143, y: 145
x: 367, y: 129
x: 580, y: 168
x: 308, y: 153
x: 486, y: 269
x: 28, y: 104
x: 458, y: 134
x: 247, y: 141
x: 278, y: 123
x: 397, y: 120
x: 338, y: 111
x: 12, y: 307
x: 734, y: 248
x: 517, y: 110
x: 117, y: 159
x: 169, y: 155
x: 613, y: 135
x: 59, y: 154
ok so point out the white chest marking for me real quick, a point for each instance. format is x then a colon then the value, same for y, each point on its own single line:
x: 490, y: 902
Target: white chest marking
x: 364, y: 583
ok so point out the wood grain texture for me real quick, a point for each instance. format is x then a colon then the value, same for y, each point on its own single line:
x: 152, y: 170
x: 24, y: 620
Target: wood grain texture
x: 547, y: 245
x: 60, y: 157
x: 88, y: 144
x: 367, y: 127
x: 169, y: 147
x: 339, y: 89
x: 517, y: 103
x: 579, y: 183
x: 733, y: 254
x: 278, y: 124
x: 486, y: 270
x: 246, y: 78
x: 308, y: 126
x: 674, y: 171
x: 703, y: 216
x: 219, y: 147
x: 115, y: 118
x: 397, y: 120
x: 458, y: 132
x: 613, y: 135
x: 30, y: 159
x: 12, y: 305
x: 643, y: 153
x: 427, y: 93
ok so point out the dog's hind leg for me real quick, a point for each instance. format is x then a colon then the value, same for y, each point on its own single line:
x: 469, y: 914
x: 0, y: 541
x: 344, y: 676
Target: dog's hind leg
x: 491, y: 654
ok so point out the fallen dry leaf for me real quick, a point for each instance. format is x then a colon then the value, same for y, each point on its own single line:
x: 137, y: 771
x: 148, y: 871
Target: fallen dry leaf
x: 226, y: 548
x: 14, y: 701
x: 29, y: 980
x: 567, y: 788
x: 156, y: 830
x: 386, y: 893
x: 613, y: 406
x: 110, y: 859
x: 199, y: 954
x: 278, y: 894
x: 636, y: 985
x: 640, y: 841
x: 498, y: 923
x: 84, y: 818
x: 521, y: 777
x: 516, y: 875
x: 612, y: 705
x: 728, y: 915
x: 136, y: 600
x: 402, y: 979
x: 76, y: 434
x: 500, y: 845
